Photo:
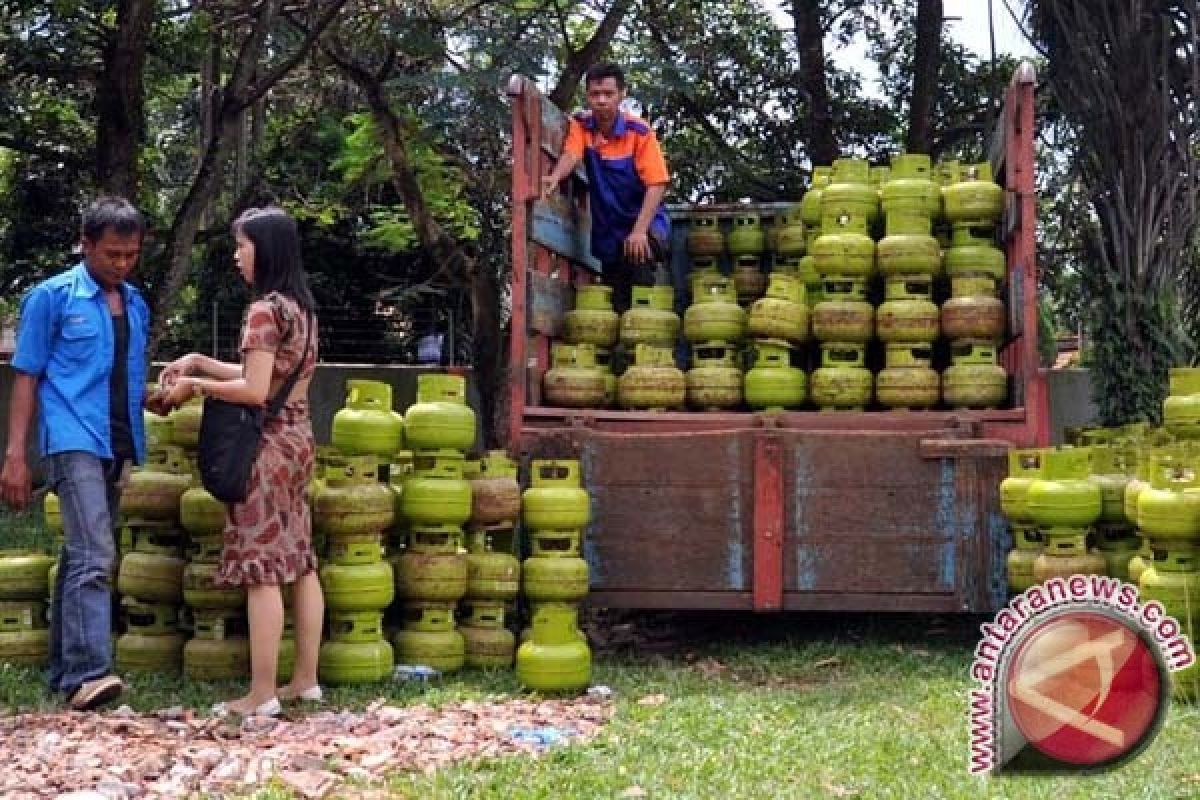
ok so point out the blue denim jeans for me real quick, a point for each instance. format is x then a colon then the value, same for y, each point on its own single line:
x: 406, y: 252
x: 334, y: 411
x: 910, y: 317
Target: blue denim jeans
x: 81, y: 616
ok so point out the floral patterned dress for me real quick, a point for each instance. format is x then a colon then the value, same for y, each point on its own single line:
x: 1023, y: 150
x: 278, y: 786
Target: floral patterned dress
x: 268, y: 536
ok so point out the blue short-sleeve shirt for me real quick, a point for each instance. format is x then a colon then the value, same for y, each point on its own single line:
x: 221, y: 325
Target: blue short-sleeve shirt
x: 65, y: 340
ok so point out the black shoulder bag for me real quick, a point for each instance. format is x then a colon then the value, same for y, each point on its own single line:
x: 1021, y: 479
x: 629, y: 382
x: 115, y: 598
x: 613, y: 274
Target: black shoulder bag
x: 231, y: 435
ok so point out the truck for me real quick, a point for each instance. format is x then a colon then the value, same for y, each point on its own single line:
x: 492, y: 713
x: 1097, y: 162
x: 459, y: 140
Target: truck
x: 791, y: 511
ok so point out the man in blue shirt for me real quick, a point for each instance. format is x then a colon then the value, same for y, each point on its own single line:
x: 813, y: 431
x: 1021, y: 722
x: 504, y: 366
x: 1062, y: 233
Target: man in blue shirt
x: 81, y: 361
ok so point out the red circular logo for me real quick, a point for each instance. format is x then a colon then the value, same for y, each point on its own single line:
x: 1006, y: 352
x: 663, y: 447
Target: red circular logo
x: 1085, y: 688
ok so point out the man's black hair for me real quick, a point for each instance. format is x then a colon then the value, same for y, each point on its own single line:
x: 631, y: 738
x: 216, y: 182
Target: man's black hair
x: 607, y: 69
x: 115, y: 213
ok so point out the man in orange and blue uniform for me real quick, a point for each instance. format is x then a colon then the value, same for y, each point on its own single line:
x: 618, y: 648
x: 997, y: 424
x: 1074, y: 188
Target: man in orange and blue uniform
x: 627, y: 179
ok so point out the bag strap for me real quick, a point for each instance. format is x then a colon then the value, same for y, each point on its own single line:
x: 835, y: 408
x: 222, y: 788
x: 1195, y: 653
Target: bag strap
x: 281, y: 396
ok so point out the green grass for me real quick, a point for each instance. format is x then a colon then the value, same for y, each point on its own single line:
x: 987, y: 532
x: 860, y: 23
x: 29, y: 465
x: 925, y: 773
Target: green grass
x: 784, y: 706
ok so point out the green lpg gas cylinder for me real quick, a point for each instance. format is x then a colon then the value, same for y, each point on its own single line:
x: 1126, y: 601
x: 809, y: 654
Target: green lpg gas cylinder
x: 350, y: 499
x: 492, y: 573
x: 157, y: 653
x: 773, y: 383
x: 562, y: 579
x: 200, y: 513
x: 975, y: 197
x: 845, y: 249
x: 1111, y: 467
x: 714, y: 382
x: 357, y: 587
x: 200, y: 589
x: 573, y: 380
x: 908, y: 248
x: 1024, y: 467
x: 556, y: 499
x: 367, y: 425
x: 909, y: 189
x: 593, y: 320
x: 908, y: 381
x: 151, y: 577
x: 704, y: 268
x: 653, y: 382
x: 555, y: 659
x: 441, y: 417
x: 783, y: 312
x: 158, y: 429
x: 428, y: 615
x: 26, y: 647
x: 790, y: 239
x: 908, y: 313
x: 977, y: 315
x: 1065, y: 556
x: 972, y: 381
x: 1021, y: 559
x: 489, y: 645
x: 445, y: 651
x: 749, y: 281
x: 431, y: 576
x: 24, y: 574
x: 1181, y: 408
x: 714, y: 315
x: 1063, y: 497
x: 810, y: 203
x: 650, y: 318
x: 355, y: 626
x: 495, y: 492
x: 842, y: 382
x: 154, y: 490
x: 436, y: 493
x: 22, y: 615
x: 973, y: 251
x: 844, y: 315
x: 746, y: 235
x: 1169, y: 510
x: 216, y: 659
x: 153, y: 536
x: 347, y: 663
x: 704, y: 236
x: 1172, y: 579
x: 849, y: 194
x: 149, y: 619
x: 184, y: 423
x: 358, y: 548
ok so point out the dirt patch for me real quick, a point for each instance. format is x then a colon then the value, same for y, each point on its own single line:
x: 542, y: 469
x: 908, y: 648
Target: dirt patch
x: 174, y: 753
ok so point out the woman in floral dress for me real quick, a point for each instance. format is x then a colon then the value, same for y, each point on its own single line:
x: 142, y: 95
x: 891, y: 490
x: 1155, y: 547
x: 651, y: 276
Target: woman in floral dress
x: 268, y: 537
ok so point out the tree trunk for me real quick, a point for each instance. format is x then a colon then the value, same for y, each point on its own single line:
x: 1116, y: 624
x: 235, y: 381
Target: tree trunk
x: 580, y: 60
x: 245, y: 85
x: 810, y: 46
x: 120, y: 116
x: 461, y: 268
x: 926, y: 63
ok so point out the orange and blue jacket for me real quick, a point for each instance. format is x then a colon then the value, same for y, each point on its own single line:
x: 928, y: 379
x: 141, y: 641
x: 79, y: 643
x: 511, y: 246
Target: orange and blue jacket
x: 619, y: 168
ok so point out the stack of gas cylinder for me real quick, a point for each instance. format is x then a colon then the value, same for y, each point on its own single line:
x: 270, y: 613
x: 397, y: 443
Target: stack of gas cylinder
x: 493, y: 571
x: 554, y: 655
x: 871, y: 307
x: 150, y: 572
x: 435, y: 500
x: 24, y: 577
x: 581, y: 366
x: 647, y: 332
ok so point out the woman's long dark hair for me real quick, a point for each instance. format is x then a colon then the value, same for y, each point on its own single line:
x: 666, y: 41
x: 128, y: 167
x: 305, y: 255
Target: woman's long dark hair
x: 277, y: 263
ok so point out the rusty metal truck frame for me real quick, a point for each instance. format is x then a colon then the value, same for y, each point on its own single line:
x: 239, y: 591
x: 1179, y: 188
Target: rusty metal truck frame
x: 803, y: 510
